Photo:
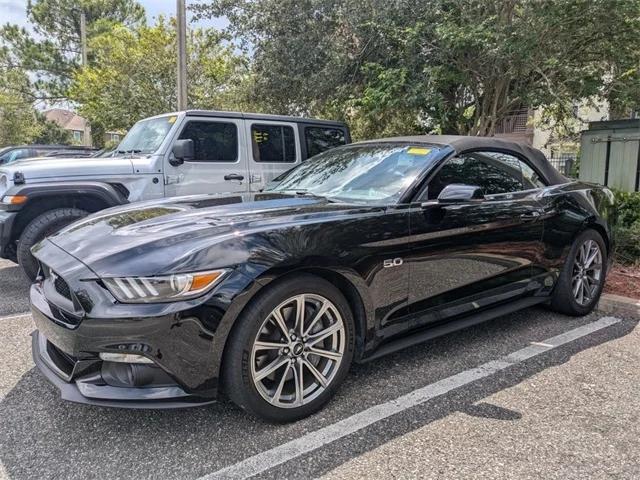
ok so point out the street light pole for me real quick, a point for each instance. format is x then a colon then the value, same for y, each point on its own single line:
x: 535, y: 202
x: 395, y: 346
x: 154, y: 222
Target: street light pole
x: 182, y: 54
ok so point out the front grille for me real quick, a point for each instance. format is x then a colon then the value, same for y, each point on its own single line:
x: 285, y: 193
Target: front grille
x: 62, y: 287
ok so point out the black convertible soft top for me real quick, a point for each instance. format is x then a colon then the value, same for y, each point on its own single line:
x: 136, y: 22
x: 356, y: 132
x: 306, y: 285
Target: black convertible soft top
x: 461, y: 143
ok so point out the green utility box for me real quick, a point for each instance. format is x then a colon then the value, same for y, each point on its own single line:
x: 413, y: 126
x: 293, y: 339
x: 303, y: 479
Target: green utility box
x: 610, y: 154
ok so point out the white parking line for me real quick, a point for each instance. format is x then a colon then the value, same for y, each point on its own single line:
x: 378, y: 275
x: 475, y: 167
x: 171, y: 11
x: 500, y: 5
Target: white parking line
x: 313, y: 440
x: 14, y: 316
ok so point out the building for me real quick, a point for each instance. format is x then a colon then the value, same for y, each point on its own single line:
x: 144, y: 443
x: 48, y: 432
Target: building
x: 79, y: 127
x: 560, y: 143
x: 68, y: 120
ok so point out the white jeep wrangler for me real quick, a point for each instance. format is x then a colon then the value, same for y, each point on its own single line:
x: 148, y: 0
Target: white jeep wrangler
x: 182, y: 153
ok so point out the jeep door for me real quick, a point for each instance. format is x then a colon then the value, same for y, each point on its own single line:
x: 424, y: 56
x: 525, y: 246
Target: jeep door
x: 220, y: 158
x: 274, y: 148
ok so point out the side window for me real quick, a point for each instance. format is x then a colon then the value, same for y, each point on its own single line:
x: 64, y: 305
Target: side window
x: 494, y: 172
x: 212, y: 141
x: 319, y: 139
x: 19, y: 153
x: 530, y: 177
x: 273, y: 143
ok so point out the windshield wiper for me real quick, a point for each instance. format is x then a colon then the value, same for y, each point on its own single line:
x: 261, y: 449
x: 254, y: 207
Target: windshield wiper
x: 297, y: 191
x: 129, y: 151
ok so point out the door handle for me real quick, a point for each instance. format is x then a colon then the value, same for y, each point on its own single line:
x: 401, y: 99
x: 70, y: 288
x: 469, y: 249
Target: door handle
x: 530, y: 216
x: 234, y: 176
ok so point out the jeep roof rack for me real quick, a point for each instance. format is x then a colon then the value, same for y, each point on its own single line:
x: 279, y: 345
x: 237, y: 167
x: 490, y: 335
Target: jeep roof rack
x: 261, y: 116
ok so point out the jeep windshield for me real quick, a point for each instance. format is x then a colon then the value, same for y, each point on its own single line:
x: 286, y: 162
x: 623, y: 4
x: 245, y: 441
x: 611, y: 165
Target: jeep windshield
x: 146, y: 136
x: 368, y: 174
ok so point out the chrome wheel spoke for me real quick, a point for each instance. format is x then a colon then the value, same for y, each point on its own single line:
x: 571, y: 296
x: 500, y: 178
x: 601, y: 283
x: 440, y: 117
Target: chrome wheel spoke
x: 576, y: 286
x: 279, y: 319
x: 300, y: 304
x: 269, y: 345
x: 321, y: 311
x: 325, y: 353
x: 272, y: 367
x: 580, y: 292
x: 299, y: 382
x: 322, y: 334
x: 592, y: 257
x: 312, y: 368
x: 283, y: 379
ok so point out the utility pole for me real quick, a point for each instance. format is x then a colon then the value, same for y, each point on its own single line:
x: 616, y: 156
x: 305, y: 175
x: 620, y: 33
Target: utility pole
x: 83, y: 37
x: 86, y: 134
x: 182, y: 54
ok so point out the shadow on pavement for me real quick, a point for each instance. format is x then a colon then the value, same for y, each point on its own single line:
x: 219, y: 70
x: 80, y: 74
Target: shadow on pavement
x: 14, y: 290
x: 487, y: 410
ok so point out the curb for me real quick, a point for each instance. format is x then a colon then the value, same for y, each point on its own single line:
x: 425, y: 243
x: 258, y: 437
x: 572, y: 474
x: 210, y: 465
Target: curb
x: 617, y: 304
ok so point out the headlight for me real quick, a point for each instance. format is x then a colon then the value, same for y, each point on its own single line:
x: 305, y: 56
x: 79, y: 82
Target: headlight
x: 170, y: 288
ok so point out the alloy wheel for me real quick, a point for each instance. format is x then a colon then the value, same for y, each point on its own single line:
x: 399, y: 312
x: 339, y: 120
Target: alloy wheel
x: 587, y: 272
x: 298, y: 350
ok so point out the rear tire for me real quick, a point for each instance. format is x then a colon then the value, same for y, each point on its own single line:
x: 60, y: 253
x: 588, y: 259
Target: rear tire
x: 582, y: 278
x: 259, y: 342
x: 39, y: 228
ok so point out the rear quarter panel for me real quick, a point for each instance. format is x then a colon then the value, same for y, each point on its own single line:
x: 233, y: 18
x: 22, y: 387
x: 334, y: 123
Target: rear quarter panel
x: 569, y: 209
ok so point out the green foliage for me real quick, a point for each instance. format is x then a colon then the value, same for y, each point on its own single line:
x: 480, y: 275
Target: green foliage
x: 18, y: 121
x: 627, y: 229
x: 446, y: 66
x: 134, y: 75
x: 53, y: 53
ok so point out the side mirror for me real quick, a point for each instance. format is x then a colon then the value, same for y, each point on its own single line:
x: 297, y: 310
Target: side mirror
x: 459, y: 193
x: 183, y: 150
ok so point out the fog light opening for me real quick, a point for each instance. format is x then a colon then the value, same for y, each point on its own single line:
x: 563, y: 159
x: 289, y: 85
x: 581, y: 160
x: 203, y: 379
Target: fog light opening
x: 124, y: 358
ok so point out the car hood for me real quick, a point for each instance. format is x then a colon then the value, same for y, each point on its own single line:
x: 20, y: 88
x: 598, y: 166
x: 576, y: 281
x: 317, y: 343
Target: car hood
x: 173, y: 235
x: 57, y: 167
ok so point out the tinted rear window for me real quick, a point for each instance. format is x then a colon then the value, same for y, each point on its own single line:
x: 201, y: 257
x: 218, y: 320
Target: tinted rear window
x: 321, y: 139
x: 273, y: 143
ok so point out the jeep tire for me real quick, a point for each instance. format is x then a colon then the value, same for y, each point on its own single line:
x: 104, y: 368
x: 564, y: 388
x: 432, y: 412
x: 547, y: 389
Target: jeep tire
x: 39, y: 228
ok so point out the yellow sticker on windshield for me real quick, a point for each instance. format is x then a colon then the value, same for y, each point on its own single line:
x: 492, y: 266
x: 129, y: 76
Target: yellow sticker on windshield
x: 171, y: 119
x: 418, y: 151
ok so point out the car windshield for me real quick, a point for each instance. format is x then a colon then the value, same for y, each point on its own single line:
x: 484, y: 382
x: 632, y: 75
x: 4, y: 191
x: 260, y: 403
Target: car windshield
x: 377, y: 174
x: 146, y: 136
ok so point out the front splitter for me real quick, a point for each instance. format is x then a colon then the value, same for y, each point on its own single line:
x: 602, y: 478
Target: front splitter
x: 109, y: 396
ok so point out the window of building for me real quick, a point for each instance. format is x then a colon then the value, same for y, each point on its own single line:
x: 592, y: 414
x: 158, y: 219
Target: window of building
x: 273, y: 143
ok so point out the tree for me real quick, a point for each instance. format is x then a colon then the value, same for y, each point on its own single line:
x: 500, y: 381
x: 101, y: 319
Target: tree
x: 134, y: 75
x: 18, y: 122
x: 450, y: 66
x: 51, y: 133
x: 52, y: 53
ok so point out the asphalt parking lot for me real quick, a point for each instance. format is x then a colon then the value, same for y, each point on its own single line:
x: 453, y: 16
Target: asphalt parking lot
x: 530, y: 395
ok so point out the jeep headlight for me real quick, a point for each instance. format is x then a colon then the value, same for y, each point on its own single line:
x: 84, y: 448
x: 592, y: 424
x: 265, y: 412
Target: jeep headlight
x: 169, y: 288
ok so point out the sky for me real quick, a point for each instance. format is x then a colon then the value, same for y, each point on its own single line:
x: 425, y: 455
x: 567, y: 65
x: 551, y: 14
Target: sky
x: 14, y: 11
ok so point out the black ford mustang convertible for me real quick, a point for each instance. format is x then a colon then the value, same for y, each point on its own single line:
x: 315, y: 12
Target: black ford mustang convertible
x: 271, y: 296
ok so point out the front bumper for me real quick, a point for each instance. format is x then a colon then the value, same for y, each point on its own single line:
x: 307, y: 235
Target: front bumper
x: 6, y: 223
x: 91, y: 388
x: 78, y: 322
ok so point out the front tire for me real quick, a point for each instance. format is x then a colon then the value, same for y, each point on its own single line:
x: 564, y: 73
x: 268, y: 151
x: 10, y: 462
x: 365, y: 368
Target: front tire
x: 39, y: 228
x: 291, y: 349
x: 582, y: 278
